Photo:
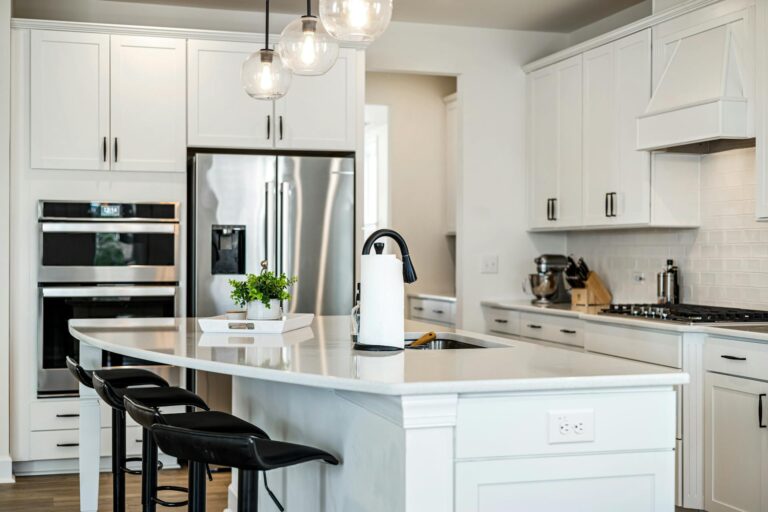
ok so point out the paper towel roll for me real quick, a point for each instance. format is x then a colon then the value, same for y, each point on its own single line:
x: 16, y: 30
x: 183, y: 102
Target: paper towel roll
x: 382, y: 306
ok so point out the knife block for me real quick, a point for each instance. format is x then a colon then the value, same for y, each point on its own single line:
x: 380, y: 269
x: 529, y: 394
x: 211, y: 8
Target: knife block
x: 594, y: 293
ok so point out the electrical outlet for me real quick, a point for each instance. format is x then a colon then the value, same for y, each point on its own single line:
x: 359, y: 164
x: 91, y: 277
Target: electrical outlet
x: 572, y: 426
x: 490, y: 264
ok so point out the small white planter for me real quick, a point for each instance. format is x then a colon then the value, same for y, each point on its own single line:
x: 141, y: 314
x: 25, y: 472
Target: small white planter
x: 258, y: 311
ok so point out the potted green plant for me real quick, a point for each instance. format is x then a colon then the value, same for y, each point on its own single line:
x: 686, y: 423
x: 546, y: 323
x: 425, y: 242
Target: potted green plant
x: 261, y: 294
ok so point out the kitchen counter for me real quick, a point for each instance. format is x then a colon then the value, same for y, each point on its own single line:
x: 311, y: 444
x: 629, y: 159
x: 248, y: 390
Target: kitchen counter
x: 433, y: 296
x: 744, y: 331
x: 578, y: 418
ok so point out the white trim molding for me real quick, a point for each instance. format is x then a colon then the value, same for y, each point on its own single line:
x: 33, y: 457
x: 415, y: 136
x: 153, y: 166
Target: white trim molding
x: 619, y: 33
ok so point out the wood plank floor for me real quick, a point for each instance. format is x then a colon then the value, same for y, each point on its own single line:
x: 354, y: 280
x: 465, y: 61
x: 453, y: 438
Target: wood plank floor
x: 60, y: 493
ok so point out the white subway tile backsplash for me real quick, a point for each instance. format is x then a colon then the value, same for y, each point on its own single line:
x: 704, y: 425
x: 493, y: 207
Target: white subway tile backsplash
x: 724, y: 262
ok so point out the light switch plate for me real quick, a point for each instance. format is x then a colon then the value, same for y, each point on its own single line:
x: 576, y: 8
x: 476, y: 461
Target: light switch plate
x: 571, y: 426
x: 490, y: 264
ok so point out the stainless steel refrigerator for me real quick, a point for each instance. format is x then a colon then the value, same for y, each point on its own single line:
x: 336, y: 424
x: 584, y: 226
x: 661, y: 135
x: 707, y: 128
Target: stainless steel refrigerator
x: 295, y: 212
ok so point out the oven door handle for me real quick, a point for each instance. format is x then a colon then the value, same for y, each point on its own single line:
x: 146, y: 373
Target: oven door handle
x: 110, y: 291
x: 107, y: 227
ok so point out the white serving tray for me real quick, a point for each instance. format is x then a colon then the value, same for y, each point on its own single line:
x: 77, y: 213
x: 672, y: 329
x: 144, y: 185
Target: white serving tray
x: 289, y: 322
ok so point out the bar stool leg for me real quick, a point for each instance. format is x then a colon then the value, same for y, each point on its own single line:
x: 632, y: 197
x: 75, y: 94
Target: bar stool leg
x: 247, y: 491
x: 196, y: 487
x: 118, y: 460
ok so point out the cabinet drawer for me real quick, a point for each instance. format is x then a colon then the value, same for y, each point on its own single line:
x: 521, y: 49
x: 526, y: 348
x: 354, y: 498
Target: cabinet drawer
x: 521, y: 425
x: 433, y: 310
x: 558, y: 329
x: 54, y: 415
x: 736, y: 357
x: 502, y: 320
x: 656, y: 347
x: 64, y: 444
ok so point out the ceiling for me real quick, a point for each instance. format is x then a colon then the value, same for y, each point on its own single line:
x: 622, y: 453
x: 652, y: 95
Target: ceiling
x: 544, y: 15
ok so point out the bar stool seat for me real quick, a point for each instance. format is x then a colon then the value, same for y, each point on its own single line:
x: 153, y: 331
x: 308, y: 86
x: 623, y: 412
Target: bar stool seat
x: 120, y: 377
x: 246, y: 452
x: 113, y: 394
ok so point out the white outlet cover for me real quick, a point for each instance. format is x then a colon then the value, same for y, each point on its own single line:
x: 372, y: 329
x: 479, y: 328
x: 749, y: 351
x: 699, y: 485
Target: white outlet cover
x: 571, y: 426
x: 490, y: 264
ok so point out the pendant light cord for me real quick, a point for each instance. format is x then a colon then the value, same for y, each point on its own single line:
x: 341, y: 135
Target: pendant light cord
x: 266, y: 29
x: 309, y: 7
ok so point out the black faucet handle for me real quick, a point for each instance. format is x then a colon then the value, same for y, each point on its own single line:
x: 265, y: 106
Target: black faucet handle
x: 378, y: 247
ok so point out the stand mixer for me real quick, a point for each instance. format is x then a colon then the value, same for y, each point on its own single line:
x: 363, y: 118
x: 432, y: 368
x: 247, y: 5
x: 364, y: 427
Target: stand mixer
x: 548, y: 283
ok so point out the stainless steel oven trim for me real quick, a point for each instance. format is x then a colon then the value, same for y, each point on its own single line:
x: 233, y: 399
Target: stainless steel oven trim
x: 127, y: 274
x: 111, y: 291
x: 176, y: 209
x: 106, y: 227
x: 48, y: 380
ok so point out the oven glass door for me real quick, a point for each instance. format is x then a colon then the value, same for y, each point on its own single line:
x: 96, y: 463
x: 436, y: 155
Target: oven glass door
x: 108, y: 252
x: 60, y: 304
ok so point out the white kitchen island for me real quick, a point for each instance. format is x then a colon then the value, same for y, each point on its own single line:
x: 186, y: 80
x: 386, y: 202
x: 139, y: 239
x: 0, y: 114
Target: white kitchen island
x: 513, y: 426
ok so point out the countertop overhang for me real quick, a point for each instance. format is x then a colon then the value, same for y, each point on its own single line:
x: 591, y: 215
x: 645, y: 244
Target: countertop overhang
x: 322, y: 356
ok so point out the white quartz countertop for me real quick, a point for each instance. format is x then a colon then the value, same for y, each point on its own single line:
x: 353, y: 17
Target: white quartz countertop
x: 744, y: 331
x: 322, y: 355
x: 433, y: 296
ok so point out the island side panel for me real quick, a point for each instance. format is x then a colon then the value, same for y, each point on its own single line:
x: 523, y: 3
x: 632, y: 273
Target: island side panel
x: 90, y: 434
x: 371, y: 445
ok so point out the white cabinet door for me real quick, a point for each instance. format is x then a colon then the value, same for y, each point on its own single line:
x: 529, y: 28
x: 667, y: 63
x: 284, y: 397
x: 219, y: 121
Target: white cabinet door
x: 555, y: 126
x: 542, y: 123
x: 736, y: 446
x: 630, y: 482
x: 69, y: 100
x: 617, y: 88
x: 221, y: 114
x: 148, y: 114
x: 318, y: 112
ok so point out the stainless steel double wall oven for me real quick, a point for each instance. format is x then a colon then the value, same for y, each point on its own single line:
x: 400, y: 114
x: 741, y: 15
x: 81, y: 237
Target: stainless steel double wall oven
x: 103, y: 260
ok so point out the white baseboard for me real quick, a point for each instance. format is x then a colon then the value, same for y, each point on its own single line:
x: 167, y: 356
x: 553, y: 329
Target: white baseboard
x: 6, y: 470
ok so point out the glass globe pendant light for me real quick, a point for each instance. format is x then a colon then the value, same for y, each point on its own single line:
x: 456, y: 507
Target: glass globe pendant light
x: 306, y: 47
x: 264, y: 75
x: 359, y: 21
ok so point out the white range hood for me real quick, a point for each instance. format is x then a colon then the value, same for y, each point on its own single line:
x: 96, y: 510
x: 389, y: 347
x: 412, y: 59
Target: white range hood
x: 703, y: 93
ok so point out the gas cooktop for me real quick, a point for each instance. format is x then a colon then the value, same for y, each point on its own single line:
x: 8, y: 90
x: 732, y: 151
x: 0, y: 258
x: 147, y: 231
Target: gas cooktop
x: 686, y: 313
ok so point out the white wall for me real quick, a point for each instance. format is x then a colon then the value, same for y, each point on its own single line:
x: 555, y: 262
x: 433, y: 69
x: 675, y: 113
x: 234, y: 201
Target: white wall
x: 5, y: 226
x: 417, y: 171
x: 723, y: 263
x: 614, y: 21
x: 492, y: 215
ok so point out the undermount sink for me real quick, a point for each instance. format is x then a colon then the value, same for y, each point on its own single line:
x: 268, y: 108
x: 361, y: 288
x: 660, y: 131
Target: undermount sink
x: 451, y: 341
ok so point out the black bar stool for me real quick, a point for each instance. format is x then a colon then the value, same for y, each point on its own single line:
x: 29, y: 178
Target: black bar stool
x: 210, y: 421
x: 122, y: 378
x: 112, y: 393
x: 246, y: 452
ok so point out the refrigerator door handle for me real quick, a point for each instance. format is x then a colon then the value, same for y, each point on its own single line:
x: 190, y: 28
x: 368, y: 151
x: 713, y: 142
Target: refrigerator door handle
x: 285, y: 193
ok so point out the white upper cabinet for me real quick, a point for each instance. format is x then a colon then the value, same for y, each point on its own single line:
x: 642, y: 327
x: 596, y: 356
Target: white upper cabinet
x: 617, y: 87
x: 220, y: 113
x: 101, y: 102
x: 318, y: 112
x: 69, y: 100
x: 148, y: 79
x: 555, y: 148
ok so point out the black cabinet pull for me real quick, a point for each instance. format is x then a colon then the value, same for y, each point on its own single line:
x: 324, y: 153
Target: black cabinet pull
x: 115, y: 149
x: 612, y: 196
x: 534, y: 326
x: 438, y: 311
x: 139, y: 441
x: 554, y: 208
x: 67, y: 445
x: 104, y: 149
x: 734, y: 358
x: 269, y: 126
x: 281, y: 127
x: 567, y: 331
x: 500, y: 321
x: 72, y: 415
x: 760, y: 410
x: 418, y: 308
x: 549, y: 214
x: 606, y: 204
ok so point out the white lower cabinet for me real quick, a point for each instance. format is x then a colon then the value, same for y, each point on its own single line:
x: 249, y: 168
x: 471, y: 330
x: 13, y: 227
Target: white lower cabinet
x: 558, y: 329
x: 64, y: 444
x: 432, y: 310
x: 629, y: 482
x: 736, y: 444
